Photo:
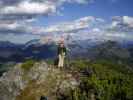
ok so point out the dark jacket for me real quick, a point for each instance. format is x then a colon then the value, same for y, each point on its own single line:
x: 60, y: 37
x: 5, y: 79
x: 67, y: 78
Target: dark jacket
x: 61, y: 50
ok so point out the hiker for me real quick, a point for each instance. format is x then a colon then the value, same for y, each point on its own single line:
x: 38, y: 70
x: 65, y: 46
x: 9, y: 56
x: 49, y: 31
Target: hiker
x: 61, y: 54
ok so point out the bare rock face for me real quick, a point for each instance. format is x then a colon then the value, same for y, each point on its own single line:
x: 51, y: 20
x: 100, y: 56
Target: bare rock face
x: 11, y: 83
x: 41, y: 79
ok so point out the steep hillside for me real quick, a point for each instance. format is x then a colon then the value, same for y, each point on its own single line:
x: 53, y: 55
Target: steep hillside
x: 80, y: 80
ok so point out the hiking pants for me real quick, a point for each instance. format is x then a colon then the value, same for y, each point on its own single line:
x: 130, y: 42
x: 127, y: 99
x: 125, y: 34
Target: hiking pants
x: 61, y: 60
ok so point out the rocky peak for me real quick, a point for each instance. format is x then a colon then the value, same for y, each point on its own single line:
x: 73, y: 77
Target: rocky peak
x: 41, y: 79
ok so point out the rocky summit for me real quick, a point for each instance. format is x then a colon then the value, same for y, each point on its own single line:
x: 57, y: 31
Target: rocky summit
x: 40, y: 80
x: 101, y: 79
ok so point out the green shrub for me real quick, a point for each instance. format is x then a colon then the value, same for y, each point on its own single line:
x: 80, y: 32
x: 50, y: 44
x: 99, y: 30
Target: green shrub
x: 27, y: 65
x: 79, y: 65
x: 50, y: 61
x: 109, y: 81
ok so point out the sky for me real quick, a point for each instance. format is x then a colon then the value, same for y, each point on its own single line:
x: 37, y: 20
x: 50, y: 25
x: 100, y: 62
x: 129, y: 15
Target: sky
x: 96, y: 20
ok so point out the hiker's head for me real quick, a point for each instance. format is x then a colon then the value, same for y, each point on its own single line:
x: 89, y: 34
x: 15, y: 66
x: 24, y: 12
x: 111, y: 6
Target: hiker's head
x: 61, y: 44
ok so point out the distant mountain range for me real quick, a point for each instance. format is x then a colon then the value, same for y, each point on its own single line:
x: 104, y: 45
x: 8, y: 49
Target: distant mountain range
x: 20, y: 52
x: 112, y: 51
x: 84, y: 49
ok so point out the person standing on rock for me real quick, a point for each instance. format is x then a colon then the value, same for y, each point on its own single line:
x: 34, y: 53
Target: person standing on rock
x: 61, y: 54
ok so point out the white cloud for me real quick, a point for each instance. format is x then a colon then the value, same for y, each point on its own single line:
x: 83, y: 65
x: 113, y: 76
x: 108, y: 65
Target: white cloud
x: 21, y: 12
x: 114, y: 24
x: 96, y: 30
x: 85, y: 28
x: 9, y: 25
x: 123, y: 20
x: 79, y: 1
x: 122, y: 24
x: 35, y: 7
x: 29, y: 8
x: 68, y: 27
x: 128, y: 20
x: 88, y: 27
